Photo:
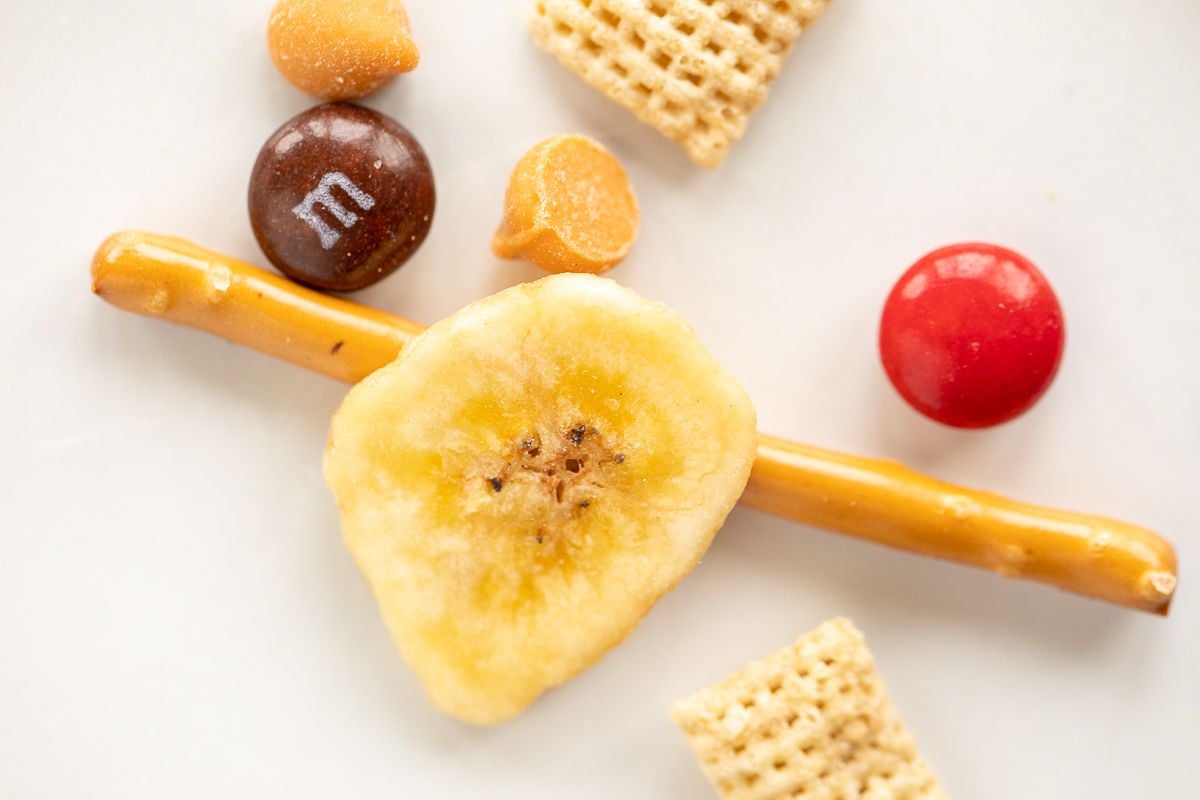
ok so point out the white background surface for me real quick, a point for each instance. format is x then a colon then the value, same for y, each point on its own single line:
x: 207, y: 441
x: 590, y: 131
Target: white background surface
x: 178, y: 617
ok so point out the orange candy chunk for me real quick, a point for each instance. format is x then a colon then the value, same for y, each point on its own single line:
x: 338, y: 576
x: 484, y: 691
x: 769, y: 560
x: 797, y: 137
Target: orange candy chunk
x: 341, y: 49
x: 570, y: 208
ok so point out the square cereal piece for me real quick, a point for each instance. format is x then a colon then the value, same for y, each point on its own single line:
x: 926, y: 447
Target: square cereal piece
x: 811, y: 722
x: 695, y: 70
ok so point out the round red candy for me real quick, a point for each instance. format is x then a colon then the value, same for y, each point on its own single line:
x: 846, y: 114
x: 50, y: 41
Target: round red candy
x: 972, y: 335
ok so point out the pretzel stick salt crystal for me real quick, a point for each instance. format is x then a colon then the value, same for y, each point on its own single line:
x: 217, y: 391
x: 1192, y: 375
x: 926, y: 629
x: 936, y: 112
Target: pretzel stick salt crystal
x: 879, y: 501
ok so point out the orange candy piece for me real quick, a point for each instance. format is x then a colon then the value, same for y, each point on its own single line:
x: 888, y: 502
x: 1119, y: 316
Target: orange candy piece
x: 570, y: 208
x: 341, y: 49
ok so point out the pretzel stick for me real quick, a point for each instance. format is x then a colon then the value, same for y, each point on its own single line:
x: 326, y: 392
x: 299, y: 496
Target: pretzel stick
x: 170, y: 278
x: 879, y: 501
x: 886, y: 502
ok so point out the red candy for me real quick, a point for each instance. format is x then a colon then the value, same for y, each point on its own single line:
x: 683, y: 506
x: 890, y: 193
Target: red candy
x: 972, y: 335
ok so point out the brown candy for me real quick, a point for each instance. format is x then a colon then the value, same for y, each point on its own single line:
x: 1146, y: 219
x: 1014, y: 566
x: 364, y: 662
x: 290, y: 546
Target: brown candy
x: 341, y: 197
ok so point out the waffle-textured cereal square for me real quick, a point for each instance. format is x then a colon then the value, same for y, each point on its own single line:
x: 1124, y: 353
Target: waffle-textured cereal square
x: 810, y: 722
x: 695, y: 70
